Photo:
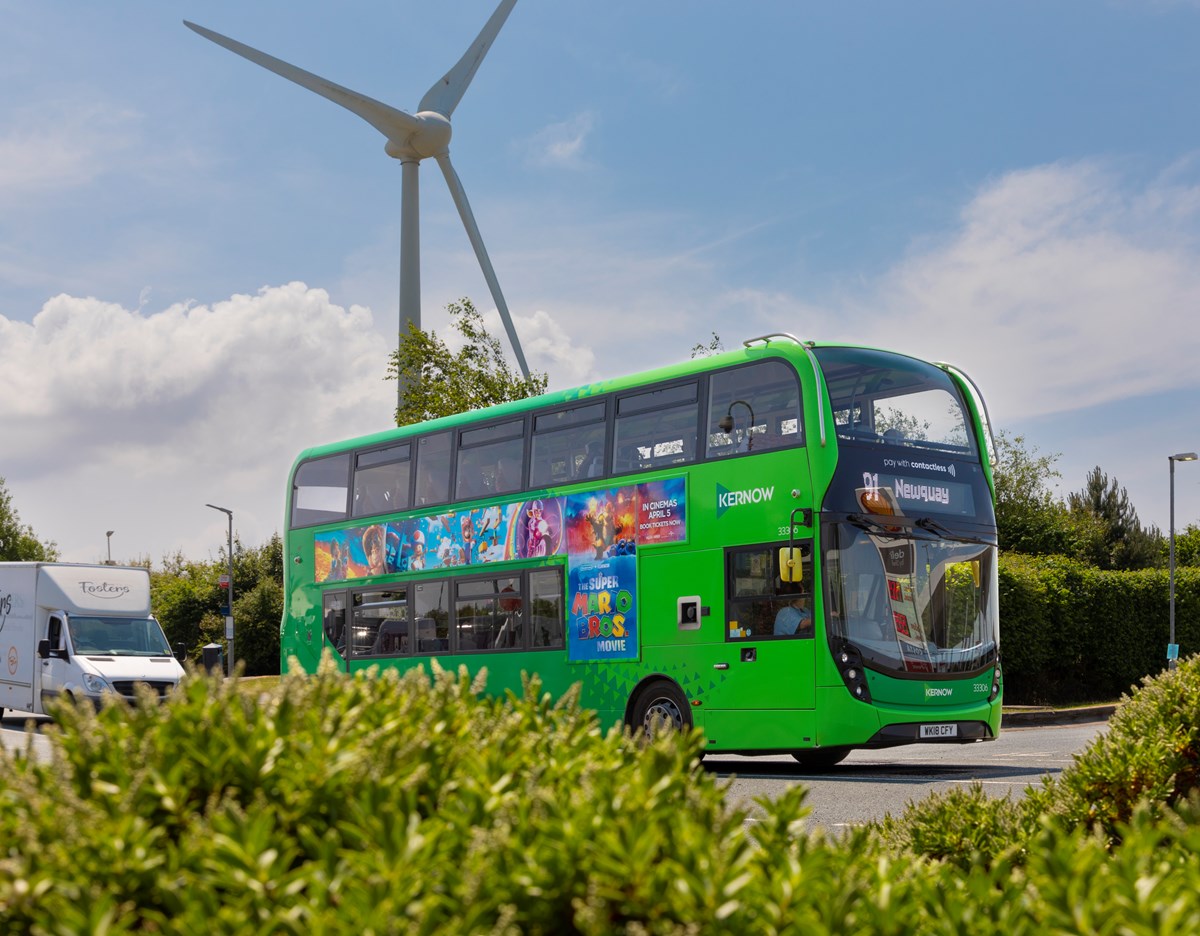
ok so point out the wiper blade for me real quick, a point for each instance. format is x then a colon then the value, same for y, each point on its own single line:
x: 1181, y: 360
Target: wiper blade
x: 890, y: 527
x: 928, y: 523
x: 874, y: 526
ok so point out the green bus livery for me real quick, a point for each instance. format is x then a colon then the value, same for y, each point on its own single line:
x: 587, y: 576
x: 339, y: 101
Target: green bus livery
x: 791, y: 546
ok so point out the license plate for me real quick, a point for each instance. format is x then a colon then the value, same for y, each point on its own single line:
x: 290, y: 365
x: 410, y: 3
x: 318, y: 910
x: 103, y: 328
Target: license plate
x: 939, y: 731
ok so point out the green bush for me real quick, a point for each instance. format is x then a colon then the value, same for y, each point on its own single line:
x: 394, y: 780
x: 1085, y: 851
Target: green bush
x: 1072, y: 633
x: 411, y: 804
x: 362, y: 805
x: 1142, y: 772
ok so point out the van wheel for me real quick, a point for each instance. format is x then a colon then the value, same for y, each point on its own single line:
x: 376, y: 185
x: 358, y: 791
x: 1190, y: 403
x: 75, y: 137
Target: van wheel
x: 821, y: 758
x: 661, y: 706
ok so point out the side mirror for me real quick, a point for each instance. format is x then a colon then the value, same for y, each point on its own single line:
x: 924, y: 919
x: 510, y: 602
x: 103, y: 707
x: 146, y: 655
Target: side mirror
x: 791, y: 564
x: 43, y: 648
x: 180, y: 652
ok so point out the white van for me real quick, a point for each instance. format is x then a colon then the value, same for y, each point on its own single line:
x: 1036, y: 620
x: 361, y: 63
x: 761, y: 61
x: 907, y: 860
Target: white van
x: 83, y: 631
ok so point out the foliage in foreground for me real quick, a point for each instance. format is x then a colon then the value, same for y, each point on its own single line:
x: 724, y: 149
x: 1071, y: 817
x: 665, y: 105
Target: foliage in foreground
x: 410, y: 804
x: 1140, y: 778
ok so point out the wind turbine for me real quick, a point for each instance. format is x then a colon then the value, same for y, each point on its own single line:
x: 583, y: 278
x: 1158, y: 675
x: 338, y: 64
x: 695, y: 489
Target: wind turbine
x: 410, y: 138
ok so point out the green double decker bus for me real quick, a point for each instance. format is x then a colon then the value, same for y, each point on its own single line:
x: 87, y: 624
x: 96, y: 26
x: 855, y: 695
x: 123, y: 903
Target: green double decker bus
x: 791, y: 546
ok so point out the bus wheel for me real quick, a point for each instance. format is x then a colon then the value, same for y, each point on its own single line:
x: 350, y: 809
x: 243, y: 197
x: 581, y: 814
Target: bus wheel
x: 661, y: 706
x: 821, y: 758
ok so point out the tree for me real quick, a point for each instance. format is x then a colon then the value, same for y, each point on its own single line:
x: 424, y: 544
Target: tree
x: 441, y: 382
x: 18, y: 543
x: 1029, y: 517
x: 1187, y: 546
x: 187, y: 598
x: 1126, y: 544
x: 716, y: 346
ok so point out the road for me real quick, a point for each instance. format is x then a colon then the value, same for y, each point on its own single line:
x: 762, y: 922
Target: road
x: 12, y: 733
x: 867, y: 785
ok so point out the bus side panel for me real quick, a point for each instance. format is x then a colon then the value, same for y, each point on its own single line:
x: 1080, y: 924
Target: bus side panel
x: 762, y: 730
x: 665, y: 576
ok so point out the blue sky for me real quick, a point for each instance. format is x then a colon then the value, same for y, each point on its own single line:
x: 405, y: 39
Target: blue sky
x: 199, y: 260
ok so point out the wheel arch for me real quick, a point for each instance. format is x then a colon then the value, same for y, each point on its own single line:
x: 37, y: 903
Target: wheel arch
x: 643, y: 684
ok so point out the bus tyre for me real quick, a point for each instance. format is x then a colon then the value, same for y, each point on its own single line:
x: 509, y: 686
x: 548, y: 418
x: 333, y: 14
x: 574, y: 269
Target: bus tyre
x: 821, y: 758
x: 661, y: 706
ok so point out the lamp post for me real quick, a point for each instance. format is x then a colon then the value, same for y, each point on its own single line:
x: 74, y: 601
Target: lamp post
x: 1172, y: 648
x: 109, y: 536
x: 229, y: 617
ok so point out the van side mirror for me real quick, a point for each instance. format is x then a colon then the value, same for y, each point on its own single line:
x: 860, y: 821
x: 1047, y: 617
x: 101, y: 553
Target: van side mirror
x: 43, y: 648
x: 791, y: 564
x: 180, y: 652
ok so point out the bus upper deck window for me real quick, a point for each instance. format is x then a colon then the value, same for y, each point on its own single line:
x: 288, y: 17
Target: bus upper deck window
x: 320, y: 490
x: 753, y: 409
x: 381, y: 480
x: 433, y: 469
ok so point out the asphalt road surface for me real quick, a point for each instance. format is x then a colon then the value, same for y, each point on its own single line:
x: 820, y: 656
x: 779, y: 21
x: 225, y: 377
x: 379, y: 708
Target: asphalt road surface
x: 867, y: 785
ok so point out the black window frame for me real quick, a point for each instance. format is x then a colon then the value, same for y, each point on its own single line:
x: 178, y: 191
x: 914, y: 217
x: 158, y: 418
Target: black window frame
x: 780, y: 595
x: 384, y: 461
x: 348, y: 456
x: 587, y: 424
x: 623, y: 399
x: 466, y: 446
x: 351, y: 598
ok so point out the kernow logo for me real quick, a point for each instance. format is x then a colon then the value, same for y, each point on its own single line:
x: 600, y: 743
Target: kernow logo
x: 934, y: 693
x: 727, y: 498
x: 104, y: 590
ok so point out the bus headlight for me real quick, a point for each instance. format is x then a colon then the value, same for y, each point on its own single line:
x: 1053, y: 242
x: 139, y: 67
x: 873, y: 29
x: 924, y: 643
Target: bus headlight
x: 850, y: 666
x: 997, y: 682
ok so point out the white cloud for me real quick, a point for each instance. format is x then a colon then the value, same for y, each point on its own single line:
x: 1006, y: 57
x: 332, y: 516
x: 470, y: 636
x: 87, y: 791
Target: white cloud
x: 118, y: 420
x: 63, y: 144
x: 547, y: 347
x: 1061, y: 289
x: 561, y: 145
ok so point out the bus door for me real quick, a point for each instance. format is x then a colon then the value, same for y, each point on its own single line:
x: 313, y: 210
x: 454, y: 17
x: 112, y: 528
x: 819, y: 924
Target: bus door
x: 764, y: 671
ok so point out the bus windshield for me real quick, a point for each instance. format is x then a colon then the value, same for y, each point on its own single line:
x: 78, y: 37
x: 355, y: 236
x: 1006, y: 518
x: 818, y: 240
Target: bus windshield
x: 117, y: 636
x: 912, y: 605
x: 884, y: 398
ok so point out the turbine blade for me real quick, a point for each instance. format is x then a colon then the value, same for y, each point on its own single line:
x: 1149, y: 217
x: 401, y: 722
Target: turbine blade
x: 392, y: 123
x: 468, y: 219
x: 444, y: 96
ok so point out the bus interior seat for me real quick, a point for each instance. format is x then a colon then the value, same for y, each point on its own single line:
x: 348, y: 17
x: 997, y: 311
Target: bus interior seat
x: 391, y: 638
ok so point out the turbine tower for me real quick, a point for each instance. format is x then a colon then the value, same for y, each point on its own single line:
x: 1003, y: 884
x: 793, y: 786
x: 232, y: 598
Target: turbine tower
x: 410, y: 138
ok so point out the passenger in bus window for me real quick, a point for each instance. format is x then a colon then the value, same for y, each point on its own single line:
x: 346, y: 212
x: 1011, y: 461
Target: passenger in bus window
x: 794, y: 618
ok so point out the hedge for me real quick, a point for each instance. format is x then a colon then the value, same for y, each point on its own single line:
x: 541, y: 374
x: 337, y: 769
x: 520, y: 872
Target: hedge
x: 1071, y: 633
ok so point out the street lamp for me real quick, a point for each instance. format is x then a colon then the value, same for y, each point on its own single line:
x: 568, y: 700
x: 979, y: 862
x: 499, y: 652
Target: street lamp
x: 1172, y: 648
x: 726, y: 423
x: 109, y: 535
x: 229, y: 617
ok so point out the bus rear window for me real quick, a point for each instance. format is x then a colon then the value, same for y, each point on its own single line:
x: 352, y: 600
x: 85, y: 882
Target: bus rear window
x: 320, y: 490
